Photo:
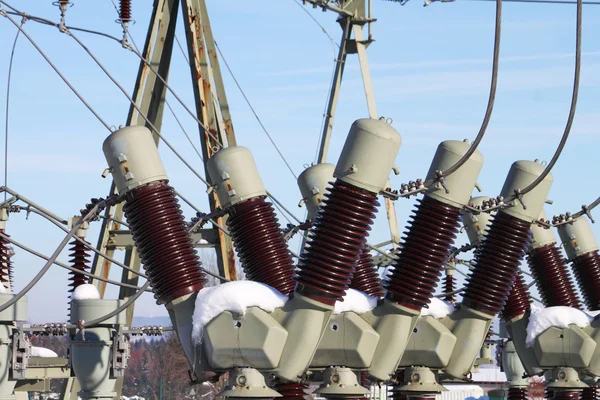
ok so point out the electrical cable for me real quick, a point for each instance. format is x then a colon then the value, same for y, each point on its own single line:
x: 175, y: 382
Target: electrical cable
x: 254, y: 111
x: 572, y: 110
x: 52, y: 258
x: 282, y: 206
x: 65, y: 266
x: 333, y: 43
x: 491, y: 98
x: 184, y: 131
x: 7, y: 16
x: 119, y: 309
x: 9, y: 80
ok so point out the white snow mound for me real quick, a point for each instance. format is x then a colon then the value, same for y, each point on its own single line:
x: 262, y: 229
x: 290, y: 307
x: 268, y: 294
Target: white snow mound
x: 42, y: 352
x: 356, y: 301
x: 438, y: 308
x: 236, y: 297
x: 3, y: 288
x: 85, y: 292
x: 559, y: 317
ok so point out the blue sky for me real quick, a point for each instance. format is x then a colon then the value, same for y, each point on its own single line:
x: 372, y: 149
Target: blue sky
x: 431, y: 72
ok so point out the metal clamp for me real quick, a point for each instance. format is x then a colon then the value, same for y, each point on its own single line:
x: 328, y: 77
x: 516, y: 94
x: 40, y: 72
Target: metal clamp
x: 121, y: 352
x: 21, y: 352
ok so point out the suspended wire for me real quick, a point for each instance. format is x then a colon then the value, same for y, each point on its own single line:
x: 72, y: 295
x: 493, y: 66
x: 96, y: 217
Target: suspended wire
x: 491, y: 99
x: 184, y: 131
x: 60, y: 264
x: 572, y: 110
x: 119, y: 309
x: 333, y: 43
x: 6, y: 15
x: 182, y: 51
x: 254, y: 111
x: 10, y: 65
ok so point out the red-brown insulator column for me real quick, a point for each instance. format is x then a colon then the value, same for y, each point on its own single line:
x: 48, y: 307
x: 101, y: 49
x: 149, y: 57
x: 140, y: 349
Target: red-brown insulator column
x: 449, y: 287
x: 335, y: 243
x: 425, y: 250
x: 496, y: 264
x: 586, y: 269
x: 591, y: 393
x: 260, y: 245
x: 565, y: 395
x: 291, y: 391
x: 517, y: 393
x: 366, y: 279
x: 6, y: 265
x: 160, y: 234
x: 548, y: 268
x: 518, y: 302
x: 80, y: 260
x: 125, y: 10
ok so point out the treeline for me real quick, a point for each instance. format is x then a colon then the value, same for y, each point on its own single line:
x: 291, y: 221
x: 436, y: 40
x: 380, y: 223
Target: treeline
x: 157, y: 366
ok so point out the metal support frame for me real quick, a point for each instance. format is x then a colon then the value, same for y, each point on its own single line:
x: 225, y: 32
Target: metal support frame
x: 352, y: 19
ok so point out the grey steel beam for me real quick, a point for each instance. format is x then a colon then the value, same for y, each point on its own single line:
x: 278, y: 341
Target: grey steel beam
x: 200, y: 42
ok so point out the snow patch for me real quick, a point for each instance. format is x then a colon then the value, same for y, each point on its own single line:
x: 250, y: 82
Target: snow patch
x: 3, y: 289
x: 236, y: 297
x: 356, y: 301
x: 85, y: 292
x: 438, y: 308
x: 594, y: 313
x: 559, y: 317
x: 42, y: 352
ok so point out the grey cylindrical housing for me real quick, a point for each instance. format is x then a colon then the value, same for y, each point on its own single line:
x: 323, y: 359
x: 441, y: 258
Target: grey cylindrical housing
x: 541, y: 236
x: 475, y: 225
x: 368, y: 154
x: 521, y: 174
x: 312, y: 183
x: 233, y: 172
x: 577, y: 237
x: 133, y: 158
x: 460, y: 184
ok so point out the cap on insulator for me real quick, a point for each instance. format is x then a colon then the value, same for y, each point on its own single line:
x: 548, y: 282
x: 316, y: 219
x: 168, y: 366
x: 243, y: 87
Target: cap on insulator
x: 541, y: 236
x: 368, y: 154
x: 521, y: 174
x: 577, y: 237
x: 133, y: 158
x: 459, y: 185
x: 476, y: 224
x: 313, y: 182
x: 234, y: 175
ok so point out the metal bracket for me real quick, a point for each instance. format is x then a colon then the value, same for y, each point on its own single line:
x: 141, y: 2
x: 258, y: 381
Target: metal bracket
x: 21, y: 351
x: 120, y: 354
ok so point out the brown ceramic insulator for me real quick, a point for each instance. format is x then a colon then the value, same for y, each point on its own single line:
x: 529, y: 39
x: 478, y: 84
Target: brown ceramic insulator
x: 6, y: 265
x: 425, y: 250
x: 160, y: 234
x: 335, y: 243
x: 591, y: 393
x: 565, y: 395
x: 549, y: 269
x: 125, y: 10
x: 80, y: 260
x: 366, y: 278
x: 517, y: 394
x: 519, y: 301
x: 449, y: 287
x: 364, y: 380
x: 586, y: 269
x: 260, y: 244
x: 496, y: 263
x: 291, y: 391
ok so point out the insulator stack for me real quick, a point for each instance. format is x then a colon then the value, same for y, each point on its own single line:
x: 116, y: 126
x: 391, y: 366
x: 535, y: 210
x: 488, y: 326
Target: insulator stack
x: 496, y: 263
x: 519, y: 301
x: 80, y: 260
x: 586, y: 268
x: 6, y: 265
x: 517, y: 393
x: 591, y: 393
x: 364, y: 379
x: 564, y: 395
x: 260, y: 245
x: 449, y: 287
x: 548, y: 268
x: 125, y: 10
x: 154, y: 215
x: 336, y: 241
x: 366, y: 279
x: 291, y: 391
x: 159, y: 232
x: 424, y: 252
